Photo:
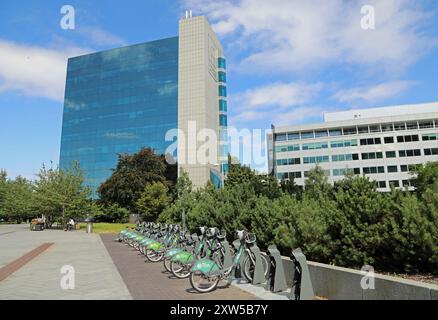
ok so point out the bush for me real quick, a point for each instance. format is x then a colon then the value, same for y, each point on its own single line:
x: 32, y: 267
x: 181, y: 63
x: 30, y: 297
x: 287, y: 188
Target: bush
x: 110, y: 213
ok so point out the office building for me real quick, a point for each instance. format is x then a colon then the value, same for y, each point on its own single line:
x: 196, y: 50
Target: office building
x: 121, y: 100
x: 384, y: 144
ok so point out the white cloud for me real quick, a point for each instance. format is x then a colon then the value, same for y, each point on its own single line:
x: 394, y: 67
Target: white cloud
x: 33, y: 70
x: 295, y: 35
x: 375, y: 93
x: 100, y: 37
x: 285, y: 98
x: 279, y: 94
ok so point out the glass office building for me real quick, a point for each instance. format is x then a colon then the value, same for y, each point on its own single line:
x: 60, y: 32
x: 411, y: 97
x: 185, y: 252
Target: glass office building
x: 118, y: 101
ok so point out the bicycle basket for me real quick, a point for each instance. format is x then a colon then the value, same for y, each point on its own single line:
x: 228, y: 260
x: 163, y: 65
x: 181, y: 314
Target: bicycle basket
x: 250, y: 238
x: 222, y: 234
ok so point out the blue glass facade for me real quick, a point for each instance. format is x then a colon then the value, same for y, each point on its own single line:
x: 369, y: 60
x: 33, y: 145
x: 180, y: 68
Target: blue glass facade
x: 118, y: 101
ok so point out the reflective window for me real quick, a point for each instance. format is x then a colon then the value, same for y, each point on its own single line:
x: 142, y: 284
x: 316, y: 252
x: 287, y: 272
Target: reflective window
x: 118, y: 101
x: 307, y: 135
x: 335, y: 132
x: 221, y: 63
x: 222, y: 76
x: 223, y: 105
x: 223, y: 121
x: 222, y: 91
x: 293, y: 136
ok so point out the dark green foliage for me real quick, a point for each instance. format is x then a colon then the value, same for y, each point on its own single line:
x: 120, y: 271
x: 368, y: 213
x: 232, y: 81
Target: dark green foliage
x: 348, y: 224
x: 132, y: 174
x: 111, y: 213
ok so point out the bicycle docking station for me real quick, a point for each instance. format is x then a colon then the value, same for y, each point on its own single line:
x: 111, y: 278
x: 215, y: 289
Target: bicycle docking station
x: 238, y: 273
x: 259, y: 275
x: 302, y: 288
x: 277, y: 278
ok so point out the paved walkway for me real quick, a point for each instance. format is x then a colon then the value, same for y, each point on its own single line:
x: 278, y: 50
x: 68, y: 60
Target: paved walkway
x: 96, y: 277
x: 146, y: 280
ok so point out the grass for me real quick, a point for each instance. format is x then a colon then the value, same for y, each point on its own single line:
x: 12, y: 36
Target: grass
x: 102, y: 227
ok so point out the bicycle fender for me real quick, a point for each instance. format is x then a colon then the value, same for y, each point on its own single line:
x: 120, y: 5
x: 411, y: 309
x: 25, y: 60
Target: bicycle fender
x: 206, y: 266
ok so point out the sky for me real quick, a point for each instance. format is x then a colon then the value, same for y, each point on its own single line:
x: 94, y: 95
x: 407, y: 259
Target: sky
x: 288, y: 61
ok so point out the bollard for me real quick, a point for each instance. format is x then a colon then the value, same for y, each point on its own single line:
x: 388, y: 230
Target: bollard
x: 277, y: 278
x: 302, y: 288
x: 259, y: 274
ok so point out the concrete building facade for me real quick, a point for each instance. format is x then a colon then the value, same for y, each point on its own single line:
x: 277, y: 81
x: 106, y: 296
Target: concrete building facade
x: 384, y: 144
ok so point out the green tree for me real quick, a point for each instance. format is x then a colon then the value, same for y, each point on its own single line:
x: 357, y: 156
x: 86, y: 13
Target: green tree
x: 316, y: 183
x: 18, y: 199
x: 153, y: 200
x: 110, y: 213
x: 3, y: 188
x: 424, y: 176
x: 61, y: 194
x: 132, y: 174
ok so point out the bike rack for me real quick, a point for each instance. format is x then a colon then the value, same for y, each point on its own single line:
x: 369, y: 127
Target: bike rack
x: 277, y: 278
x: 259, y: 275
x: 238, y: 274
x: 302, y: 288
x: 228, y: 259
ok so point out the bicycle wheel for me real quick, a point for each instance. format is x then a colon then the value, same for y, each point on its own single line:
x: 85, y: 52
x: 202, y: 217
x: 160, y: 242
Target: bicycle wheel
x: 154, y: 256
x: 248, y: 267
x: 180, y: 271
x: 202, y: 283
x: 167, y: 262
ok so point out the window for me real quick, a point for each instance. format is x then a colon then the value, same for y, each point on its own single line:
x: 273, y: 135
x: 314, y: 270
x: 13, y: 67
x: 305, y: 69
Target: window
x: 404, y: 168
x: 282, y: 176
x: 430, y: 136
x: 392, y: 169
x: 342, y: 144
x: 315, y: 146
x: 341, y: 172
x: 381, y: 184
x: 399, y: 126
x: 335, y: 132
x: 293, y: 136
x: 321, y: 133
x: 370, y: 141
x: 406, y: 183
x: 222, y: 76
x: 280, y: 137
x: 373, y: 170
x: 221, y: 63
x: 425, y: 124
x: 363, y: 129
x: 348, y: 131
x: 409, y: 153
x: 295, y: 175
x: 410, y: 138
x: 223, y: 105
x: 374, y: 129
x: 372, y: 155
x: 390, y: 154
x: 286, y: 162
x: 412, y: 125
x: 291, y: 148
x: 387, y: 127
x: 356, y: 170
x: 222, y: 91
x: 318, y: 159
x: 223, y: 120
x: 389, y: 139
x: 307, y: 135
x: 431, y: 152
x: 394, y: 183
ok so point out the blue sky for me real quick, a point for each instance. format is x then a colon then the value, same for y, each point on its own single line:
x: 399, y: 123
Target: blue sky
x: 288, y: 60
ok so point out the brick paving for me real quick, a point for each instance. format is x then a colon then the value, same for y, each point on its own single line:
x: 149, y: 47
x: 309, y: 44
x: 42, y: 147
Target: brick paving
x: 149, y: 281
